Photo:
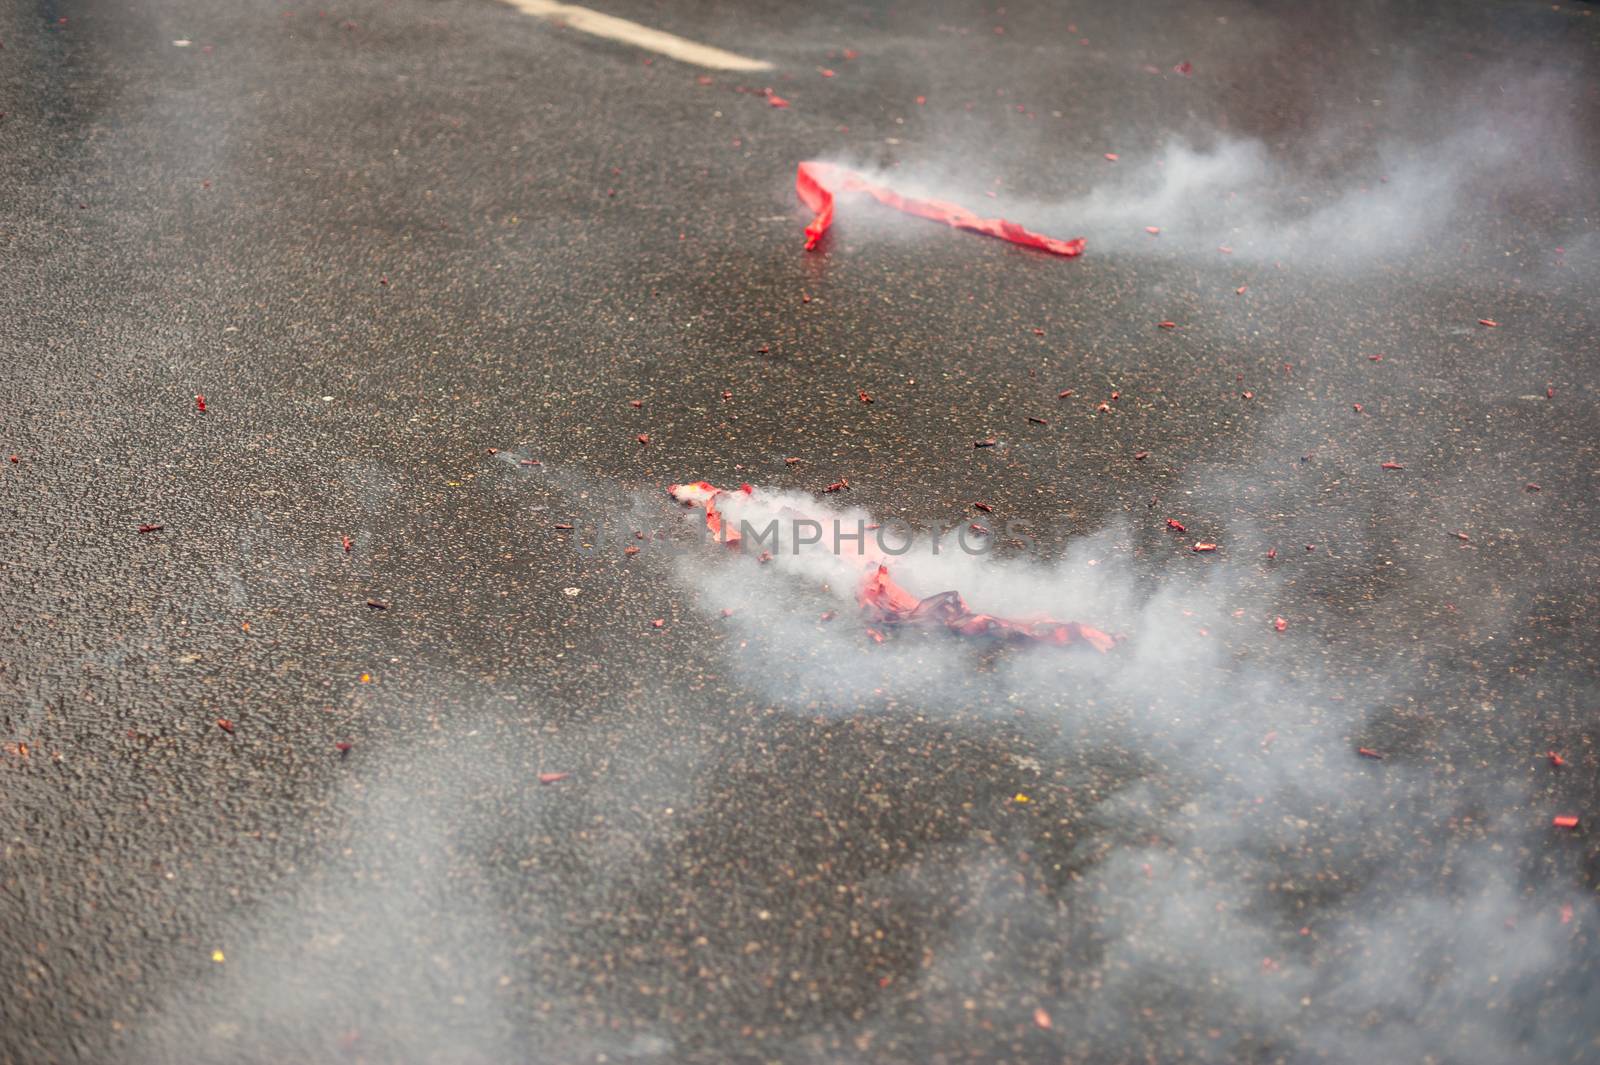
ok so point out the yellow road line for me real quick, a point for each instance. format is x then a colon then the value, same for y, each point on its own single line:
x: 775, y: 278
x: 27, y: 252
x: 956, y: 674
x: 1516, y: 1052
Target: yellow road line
x: 620, y: 29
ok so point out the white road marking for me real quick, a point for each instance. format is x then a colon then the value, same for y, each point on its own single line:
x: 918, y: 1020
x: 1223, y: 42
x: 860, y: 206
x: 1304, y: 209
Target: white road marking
x: 620, y: 29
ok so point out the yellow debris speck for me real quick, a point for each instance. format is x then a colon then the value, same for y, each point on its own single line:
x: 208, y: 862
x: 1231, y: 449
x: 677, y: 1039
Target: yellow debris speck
x: 217, y: 957
x: 366, y: 678
x: 1021, y: 798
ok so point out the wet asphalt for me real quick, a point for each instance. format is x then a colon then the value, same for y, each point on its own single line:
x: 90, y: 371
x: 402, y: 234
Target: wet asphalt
x: 401, y: 247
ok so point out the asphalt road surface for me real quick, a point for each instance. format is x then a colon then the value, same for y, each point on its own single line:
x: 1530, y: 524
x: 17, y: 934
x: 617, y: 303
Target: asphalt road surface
x: 271, y: 775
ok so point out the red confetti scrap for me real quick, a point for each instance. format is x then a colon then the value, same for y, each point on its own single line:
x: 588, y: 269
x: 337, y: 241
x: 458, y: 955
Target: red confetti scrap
x: 343, y: 747
x: 817, y: 182
x: 990, y: 442
x: 1154, y: 231
x: 1280, y: 624
x: 1565, y: 821
x: 986, y: 508
x: 1140, y: 456
x: 1311, y: 547
x: 643, y: 438
x: 1037, y: 421
x: 151, y: 528
x: 1112, y: 157
x: 864, y: 397
x: 1530, y: 486
x: 791, y: 462
x: 1375, y: 358
x: 659, y: 623
x: 1185, y: 68
x: 775, y: 100
x: 1390, y: 466
x: 1167, y: 325
x: 225, y: 725
x: 1358, y: 408
x: 827, y: 615
x: 1041, y: 1018
x: 825, y: 72
x: 630, y: 550
x: 980, y: 530
x: 1549, y: 393
x: 1566, y: 913
x: 1204, y: 547
x: 564, y: 525
x: 1247, y: 395
x: 1104, y: 408
x: 1173, y: 523
x: 377, y: 604
x: 200, y: 403
x: 346, y: 542
x: 1463, y: 537
x: 838, y: 486
x: 1368, y: 752
x: 1555, y: 759
x: 1272, y: 552
x: 13, y: 459
x: 635, y: 403
x: 1490, y: 322
x: 1065, y: 392
x: 553, y: 778
x: 1240, y: 290
x: 529, y: 462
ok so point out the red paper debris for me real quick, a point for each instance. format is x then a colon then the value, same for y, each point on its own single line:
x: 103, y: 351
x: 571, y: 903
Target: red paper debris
x: 990, y: 442
x: 552, y: 778
x: 1041, y: 1018
x: 659, y: 623
x: 377, y: 604
x: 1037, y: 421
x: 986, y: 508
x: 1565, y: 821
x: 1490, y: 322
x: 1140, y: 456
x: 200, y: 404
x: 1173, y: 523
x: 817, y: 183
x: 1555, y: 759
x: 1204, y: 547
x: 1272, y: 552
x: 1368, y: 752
x: 1154, y: 231
x: 1280, y: 624
x: 1358, y: 408
x: 1391, y: 466
x: 838, y: 486
x: 643, y: 438
x: 346, y: 542
x: 151, y: 528
x: 1530, y: 486
x: 1185, y: 68
x: 225, y: 725
x: 883, y: 602
x: 1167, y: 325
x: 864, y: 397
x: 1065, y: 392
x: 343, y: 747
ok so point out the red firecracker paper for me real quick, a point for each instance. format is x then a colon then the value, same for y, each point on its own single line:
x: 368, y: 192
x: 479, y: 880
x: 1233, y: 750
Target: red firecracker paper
x: 817, y: 183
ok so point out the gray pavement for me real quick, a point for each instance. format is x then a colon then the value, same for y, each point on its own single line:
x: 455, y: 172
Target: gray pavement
x: 403, y: 247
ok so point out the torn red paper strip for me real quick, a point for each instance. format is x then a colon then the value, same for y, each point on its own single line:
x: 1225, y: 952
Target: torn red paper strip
x: 817, y: 183
x: 884, y: 603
